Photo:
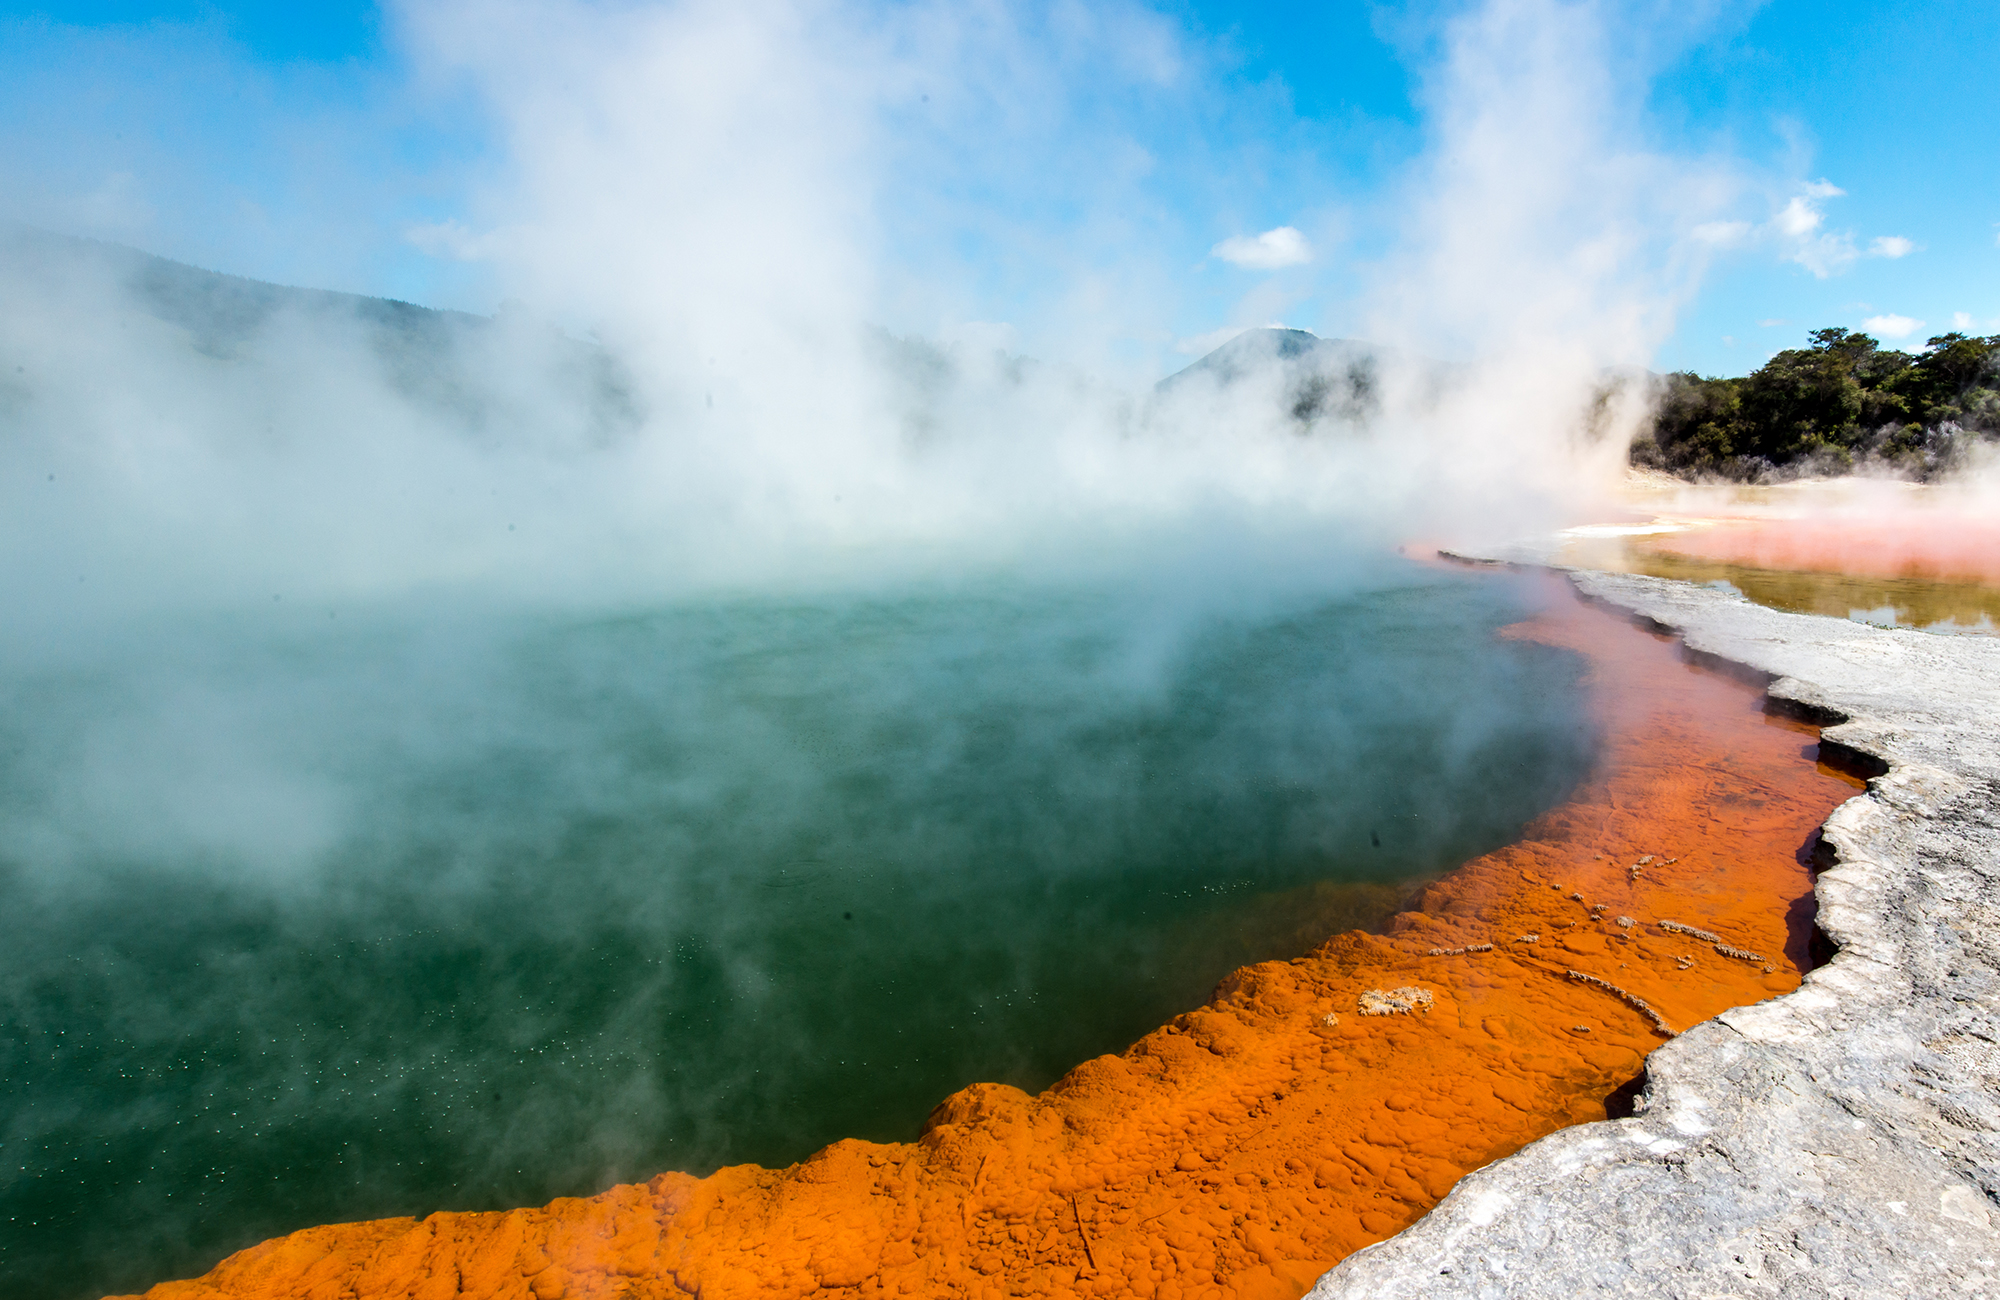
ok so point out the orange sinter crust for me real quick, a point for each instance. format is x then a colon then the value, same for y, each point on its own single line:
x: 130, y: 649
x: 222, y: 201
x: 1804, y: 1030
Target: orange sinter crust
x: 1247, y: 1146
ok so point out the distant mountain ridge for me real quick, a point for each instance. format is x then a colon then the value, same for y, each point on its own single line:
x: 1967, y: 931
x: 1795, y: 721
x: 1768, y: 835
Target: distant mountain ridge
x: 452, y: 362
x: 221, y: 311
x: 1311, y: 379
x: 1256, y: 348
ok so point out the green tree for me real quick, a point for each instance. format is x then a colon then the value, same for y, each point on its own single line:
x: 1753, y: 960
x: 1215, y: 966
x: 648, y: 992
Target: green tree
x: 1697, y: 426
x: 1839, y: 399
x: 1952, y: 382
x: 1806, y: 400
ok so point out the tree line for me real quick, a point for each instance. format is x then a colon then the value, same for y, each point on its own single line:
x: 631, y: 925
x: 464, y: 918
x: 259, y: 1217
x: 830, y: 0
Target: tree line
x: 1843, y: 403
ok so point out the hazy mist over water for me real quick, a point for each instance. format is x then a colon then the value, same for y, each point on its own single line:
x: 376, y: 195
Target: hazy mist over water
x: 802, y: 664
x: 406, y: 910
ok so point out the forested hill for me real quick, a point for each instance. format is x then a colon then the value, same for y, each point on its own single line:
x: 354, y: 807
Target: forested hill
x: 1841, y: 404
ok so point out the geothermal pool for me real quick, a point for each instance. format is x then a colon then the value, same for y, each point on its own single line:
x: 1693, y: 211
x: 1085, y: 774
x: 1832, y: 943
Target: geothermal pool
x: 334, y: 914
x: 1931, y: 563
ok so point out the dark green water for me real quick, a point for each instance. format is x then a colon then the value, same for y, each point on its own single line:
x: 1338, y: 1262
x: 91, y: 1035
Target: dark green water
x: 356, y: 916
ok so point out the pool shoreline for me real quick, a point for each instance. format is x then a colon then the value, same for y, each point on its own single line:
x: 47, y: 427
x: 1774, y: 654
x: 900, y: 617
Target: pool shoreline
x: 1064, y: 1193
x: 1842, y: 1139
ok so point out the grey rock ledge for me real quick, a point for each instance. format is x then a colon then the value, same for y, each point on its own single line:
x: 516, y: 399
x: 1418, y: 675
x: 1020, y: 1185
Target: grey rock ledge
x: 1842, y: 1140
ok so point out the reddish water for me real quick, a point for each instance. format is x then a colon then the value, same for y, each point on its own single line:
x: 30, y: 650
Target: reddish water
x: 1924, y: 569
x: 1253, y: 1142
x: 1909, y: 544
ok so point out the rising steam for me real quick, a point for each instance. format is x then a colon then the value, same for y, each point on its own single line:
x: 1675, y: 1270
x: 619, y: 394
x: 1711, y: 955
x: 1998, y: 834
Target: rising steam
x: 741, y: 221
x: 474, y: 723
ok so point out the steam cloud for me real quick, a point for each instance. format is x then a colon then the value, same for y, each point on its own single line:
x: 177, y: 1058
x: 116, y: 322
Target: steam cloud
x: 759, y: 212
x: 812, y: 307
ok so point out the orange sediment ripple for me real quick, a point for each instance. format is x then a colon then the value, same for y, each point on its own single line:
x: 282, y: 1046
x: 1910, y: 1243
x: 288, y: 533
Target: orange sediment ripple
x: 1247, y: 1146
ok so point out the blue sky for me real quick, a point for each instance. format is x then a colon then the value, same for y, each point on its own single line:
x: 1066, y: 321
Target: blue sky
x: 306, y: 143
x: 1865, y: 96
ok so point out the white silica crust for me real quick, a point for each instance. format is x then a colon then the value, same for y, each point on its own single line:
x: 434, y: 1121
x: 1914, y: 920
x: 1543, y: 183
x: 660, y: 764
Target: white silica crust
x: 1839, y: 1141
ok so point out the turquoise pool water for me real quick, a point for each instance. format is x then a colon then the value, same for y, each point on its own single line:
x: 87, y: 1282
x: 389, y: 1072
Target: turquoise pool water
x: 355, y: 913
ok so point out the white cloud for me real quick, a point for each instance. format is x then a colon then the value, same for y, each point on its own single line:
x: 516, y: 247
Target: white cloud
x: 1799, y: 230
x: 1285, y: 246
x: 1827, y: 255
x: 1203, y: 344
x: 1798, y: 218
x: 118, y: 205
x: 1892, y: 326
x: 1773, y: 321
x: 1722, y: 234
x: 453, y: 239
x: 982, y: 336
x: 1961, y: 321
x: 1798, y: 225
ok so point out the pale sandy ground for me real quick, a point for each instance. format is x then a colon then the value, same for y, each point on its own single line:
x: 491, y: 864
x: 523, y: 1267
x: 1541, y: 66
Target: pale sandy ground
x: 1663, y: 495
